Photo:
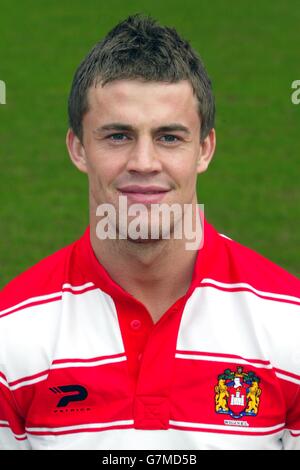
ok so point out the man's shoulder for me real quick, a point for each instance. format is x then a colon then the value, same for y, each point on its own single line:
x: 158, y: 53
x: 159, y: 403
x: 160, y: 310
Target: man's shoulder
x: 45, y: 278
x: 248, y: 266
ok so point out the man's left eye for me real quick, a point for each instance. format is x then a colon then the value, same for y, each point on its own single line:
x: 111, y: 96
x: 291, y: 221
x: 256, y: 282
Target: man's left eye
x: 169, y: 138
x: 117, y: 137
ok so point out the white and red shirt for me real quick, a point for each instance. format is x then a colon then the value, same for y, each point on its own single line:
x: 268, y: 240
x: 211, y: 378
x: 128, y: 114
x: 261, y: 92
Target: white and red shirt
x: 83, y: 366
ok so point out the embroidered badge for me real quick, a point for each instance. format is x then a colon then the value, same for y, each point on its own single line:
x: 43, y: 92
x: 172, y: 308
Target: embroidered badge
x: 237, y: 393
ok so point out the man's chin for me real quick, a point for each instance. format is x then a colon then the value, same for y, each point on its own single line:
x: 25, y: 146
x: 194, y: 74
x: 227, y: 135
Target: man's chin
x: 144, y: 241
x: 146, y: 236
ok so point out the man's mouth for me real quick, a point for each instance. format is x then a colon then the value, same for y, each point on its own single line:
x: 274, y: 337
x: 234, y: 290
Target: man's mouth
x: 144, y: 194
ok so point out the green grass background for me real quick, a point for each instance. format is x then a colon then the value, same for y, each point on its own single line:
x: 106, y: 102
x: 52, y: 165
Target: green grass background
x: 251, y: 191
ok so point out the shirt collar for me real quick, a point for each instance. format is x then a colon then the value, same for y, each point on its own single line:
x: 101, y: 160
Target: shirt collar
x: 96, y: 273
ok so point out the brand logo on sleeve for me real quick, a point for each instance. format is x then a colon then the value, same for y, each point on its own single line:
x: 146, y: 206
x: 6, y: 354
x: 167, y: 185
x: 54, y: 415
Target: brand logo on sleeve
x: 237, y: 393
x: 71, y: 394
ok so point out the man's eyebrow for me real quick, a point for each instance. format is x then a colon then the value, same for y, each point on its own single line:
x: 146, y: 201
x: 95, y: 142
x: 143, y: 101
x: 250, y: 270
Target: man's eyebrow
x: 114, y: 126
x: 119, y: 126
x: 173, y: 128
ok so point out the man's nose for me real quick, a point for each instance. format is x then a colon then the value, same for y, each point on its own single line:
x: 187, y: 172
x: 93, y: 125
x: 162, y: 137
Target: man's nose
x: 144, y: 157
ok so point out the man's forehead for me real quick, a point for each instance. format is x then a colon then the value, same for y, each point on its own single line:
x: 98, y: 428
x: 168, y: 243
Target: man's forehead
x: 125, y: 88
x: 144, y: 97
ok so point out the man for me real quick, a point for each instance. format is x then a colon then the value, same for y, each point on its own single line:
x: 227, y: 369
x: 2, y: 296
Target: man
x: 129, y: 339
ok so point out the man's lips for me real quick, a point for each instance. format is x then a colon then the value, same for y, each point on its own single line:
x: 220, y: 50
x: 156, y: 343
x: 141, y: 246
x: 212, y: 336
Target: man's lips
x: 144, y: 194
x: 143, y: 189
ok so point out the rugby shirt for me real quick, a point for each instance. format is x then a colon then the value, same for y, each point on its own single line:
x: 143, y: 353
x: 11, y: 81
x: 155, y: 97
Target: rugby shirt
x: 83, y: 366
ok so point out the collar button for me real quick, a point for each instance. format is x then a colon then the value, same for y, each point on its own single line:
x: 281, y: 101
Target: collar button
x: 135, y: 324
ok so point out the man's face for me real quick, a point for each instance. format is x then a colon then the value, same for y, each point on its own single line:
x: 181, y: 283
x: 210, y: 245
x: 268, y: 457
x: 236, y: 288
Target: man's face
x: 142, y: 140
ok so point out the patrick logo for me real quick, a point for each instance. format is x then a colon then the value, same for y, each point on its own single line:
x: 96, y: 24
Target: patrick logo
x: 237, y: 393
x: 71, y: 393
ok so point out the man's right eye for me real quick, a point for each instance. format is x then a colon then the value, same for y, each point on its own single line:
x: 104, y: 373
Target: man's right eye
x: 119, y: 137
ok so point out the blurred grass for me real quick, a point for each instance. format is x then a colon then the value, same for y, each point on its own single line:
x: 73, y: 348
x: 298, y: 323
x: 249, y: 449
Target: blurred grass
x: 251, y: 191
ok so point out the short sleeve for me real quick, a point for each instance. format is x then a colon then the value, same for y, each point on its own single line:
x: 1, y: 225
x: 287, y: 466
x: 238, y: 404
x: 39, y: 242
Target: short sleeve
x: 12, y: 429
x: 291, y: 437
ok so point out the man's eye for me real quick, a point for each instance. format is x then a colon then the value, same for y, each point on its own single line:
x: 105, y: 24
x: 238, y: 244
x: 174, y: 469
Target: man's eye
x: 169, y: 138
x: 117, y: 137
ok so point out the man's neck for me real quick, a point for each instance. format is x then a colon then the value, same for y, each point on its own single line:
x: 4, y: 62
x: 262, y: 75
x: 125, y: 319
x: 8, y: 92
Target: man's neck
x: 157, y: 273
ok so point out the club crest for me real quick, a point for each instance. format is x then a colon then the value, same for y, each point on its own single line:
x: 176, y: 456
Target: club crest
x: 237, y: 393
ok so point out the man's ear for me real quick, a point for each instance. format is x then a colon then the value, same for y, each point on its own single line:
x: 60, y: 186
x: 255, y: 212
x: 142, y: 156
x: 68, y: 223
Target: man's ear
x: 206, y: 151
x: 76, y: 151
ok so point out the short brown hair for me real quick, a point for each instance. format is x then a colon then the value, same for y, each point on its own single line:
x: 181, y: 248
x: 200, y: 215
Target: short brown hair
x: 140, y: 48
